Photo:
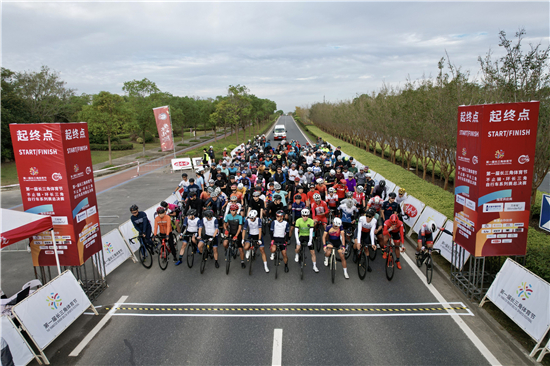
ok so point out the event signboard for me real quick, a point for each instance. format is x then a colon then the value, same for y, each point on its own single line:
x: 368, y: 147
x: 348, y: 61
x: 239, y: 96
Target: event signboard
x: 412, y: 208
x: 54, y: 167
x: 115, y: 251
x: 444, y: 242
x: 181, y: 164
x: 47, y: 312
x: 494, y: 171
x: 15, y: 349
x: 164, y: 127
x: 523, y: 296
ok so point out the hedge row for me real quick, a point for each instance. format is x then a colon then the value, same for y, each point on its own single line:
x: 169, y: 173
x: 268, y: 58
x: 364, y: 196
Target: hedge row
x: 114, y: 147
x: 538, y: 249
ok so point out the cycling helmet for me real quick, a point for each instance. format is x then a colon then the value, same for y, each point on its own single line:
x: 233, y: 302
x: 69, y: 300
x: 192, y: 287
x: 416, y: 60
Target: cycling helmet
x: 252, y: 214
x: 349, y: 194
x: 343, y: 181
x: 319, y: 180
x: 184, y: 175
x: 297, y: 179
x: 191, y: 212
x: 377, y: 200
x: 240, y: 186
x: 369, y: 213
x: 161, y: 210
x: 372, y: 211
x: 297, y: 197
x: 164, y: 204
x: 349, y: 231
x: 209, y: 214
x: 368, y: 175
x: 305, y: 212
x: 382, y: 183
x: 402, y: 191
x: 233, y: 198
x: 336, y: 222
x: 276, y: 197
x: 394, y: 219
x: 332, y: 172
x: 280, y: 213
x: 211, y: 181
x: 317, y: 197
x: 300, y: 172
x: 339, y: 157
x: 214, y: 194
x: 327, y: 162
x: 233, y: 207
x: 360, y: 189
x: 210, y: 190
x: 392, y: 195
x: 277, y: 186
x: 432, y: 226
x: 311, y: 185
x: 331, y: 190
x: 133, y: 208
x: 257, y: 194
x: 309, y: 169
x: 271, y: 180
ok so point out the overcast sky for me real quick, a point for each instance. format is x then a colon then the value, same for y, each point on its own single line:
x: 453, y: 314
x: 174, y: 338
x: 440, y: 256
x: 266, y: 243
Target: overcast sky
x: 292, y: 53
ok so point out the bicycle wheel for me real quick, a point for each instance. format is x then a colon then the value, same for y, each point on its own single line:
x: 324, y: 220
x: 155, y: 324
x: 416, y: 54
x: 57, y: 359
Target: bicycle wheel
x: 204, y: 258
x: 333, y: 266
x: 429, y: 269
x: 227, y: 259
x: 145, y: 256
x: 349, y: 248
x: 302, y: 264
x: 319, y: 240
x: 362, y: 265
x: 276, y: 262
x: 390, y: 265
x: 190, y: 254
x: 419, y: 259
x: 372, y: 253
x: 163, y: 257
x: 251, y: 259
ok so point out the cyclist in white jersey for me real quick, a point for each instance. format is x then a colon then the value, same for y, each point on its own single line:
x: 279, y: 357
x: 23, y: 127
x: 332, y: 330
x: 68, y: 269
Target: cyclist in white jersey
x: 253, y: 227
x: 209, y: 230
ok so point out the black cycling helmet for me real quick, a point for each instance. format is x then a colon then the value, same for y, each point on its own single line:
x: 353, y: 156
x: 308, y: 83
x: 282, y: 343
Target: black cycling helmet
x: 392, y: 195
x: 280, y: 213
x: 191, y: 212
x: 164, y: 204
x: 133, y: 208
x: 161, y: 210
x: 382, y: 183
x: 371, y: 211
x: 276, y: 197
x: 184, y: 175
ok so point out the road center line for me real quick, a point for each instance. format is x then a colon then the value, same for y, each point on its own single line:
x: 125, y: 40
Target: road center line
x: 96, y: 329
x: 276, y: 360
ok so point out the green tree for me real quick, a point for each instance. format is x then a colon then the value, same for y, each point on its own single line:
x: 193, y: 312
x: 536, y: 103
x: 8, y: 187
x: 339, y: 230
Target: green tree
x: 108, y: 114
x: 238, y: 96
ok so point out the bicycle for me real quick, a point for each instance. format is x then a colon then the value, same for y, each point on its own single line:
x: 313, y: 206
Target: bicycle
x: 191, y: 250
x: 252, y: 254
x: 207, y: 251
x: 332, y: 263
x: 319, y: 232
x: 231, y: 251
x: 278, y: 258
x: 349, y: 242
x: 363, y: 261
x: 302, y: 258
x: 426, y: 256
x: 145, y: 252
x: 390, y: 260
x: 164, y: 251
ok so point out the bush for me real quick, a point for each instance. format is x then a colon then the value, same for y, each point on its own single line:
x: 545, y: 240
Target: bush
x: 139, y: 140
x: 97, y: 138
x: 149, y: 137
x: 124, y: 136
x: 184, y: 145
x: 114, y: 147
x: 205, y: 137
x: 538, y: 254
x: 194, y: 141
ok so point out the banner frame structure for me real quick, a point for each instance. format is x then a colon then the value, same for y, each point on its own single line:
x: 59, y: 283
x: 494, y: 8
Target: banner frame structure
x: 18, y: 331
x: 486, y: 298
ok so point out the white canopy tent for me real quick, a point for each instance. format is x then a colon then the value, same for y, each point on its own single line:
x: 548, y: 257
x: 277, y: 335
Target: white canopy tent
x: 17, y: 226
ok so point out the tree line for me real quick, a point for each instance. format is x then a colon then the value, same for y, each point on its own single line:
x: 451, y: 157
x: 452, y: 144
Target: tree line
x: 417, y: 122
x: 42, y: 96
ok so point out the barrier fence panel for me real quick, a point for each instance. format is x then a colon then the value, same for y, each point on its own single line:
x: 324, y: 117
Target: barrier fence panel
x: 544, y: 351
x: 444, y: 242
x: 524, y: 297
x: 181, y: 164
x: 412, y: 208
x: 128, y: 231
x: 429, y: 214
x: 15, y: 349
x: 390, y: 186
x: 115, y: 251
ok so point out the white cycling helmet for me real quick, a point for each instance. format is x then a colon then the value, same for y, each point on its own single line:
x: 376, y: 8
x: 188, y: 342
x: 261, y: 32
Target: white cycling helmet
x: 252, y: 214
x: 316, y: 197
x: 277, y: 185
x: 305, y: 212
x: 332, y: 172
x: 377, y: 200
x: 309, y: 169
x: 369, y: 175
x: 360, y: 189
x: 331, y: 190
x: 319, y: 180
x: 240, y: 186
x: 337, y: 222
x: 432, y: 226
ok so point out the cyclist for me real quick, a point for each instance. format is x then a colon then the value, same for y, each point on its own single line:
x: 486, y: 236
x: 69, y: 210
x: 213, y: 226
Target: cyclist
x: 304, y: 235
x: 369, y: 184
x: 334, y: 238
x: 142, y: 225
x: 233, y: 225
x: 163, y: 225
x: 209, y: 230
x: 390, y: 207
x: 192, y: 224
x: 296, y: 212
x: 365, y: 233
x: 380, y: 190
x: 319, y: 210
x: 341, y: 189
x: 332, y: 201
x: 393, y: 230
x: 321, y: 187
x: 425, y: 236
x: 311, y: 193
x: 193, y: 202
x: 359, y: 197
x: 348, y: 211
x: 283, y: 194
x: 402, y: 196
x: 253, y: 227
x: 279, y: 236
x: 256, y: 204
x: 375, y: 203
x: 182, y: 186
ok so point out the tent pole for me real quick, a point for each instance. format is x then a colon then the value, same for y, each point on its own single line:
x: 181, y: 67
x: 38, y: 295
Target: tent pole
x: 56, y: 255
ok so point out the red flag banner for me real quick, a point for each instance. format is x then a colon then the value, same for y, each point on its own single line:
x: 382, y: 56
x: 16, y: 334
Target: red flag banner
x: 54, y: 166
x: 164, y: 126
x: 494, y: 171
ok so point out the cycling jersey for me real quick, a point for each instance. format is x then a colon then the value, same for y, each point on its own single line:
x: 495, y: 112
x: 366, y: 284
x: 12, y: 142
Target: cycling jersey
x: 304, y: 226
x: 192, y: 225
x: 396, y: 233
x: 379, y: 191
x: 341, y: 191
x: 210, y: 226
x: 297, y: 209
x: 141, y: 223
x: 332, y: 200
x: 253, y: 227
x: 279, y: 229
x: 234, y: 223
x: 366, y: 227
x: 425, y: 235
x: 283, y: 195
x: 310, y: 195
x: 390, y: 208
x: 272, y: 209
x: 319, y: 211
x: 334, y: 232
x: 374, y: 205
x: 256, y: 205
x: 359, y: 198
x: 162, y: 225
x: 347, y: 212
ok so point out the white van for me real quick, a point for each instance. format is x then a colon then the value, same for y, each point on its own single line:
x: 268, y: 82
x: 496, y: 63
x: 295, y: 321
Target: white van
x: 279, y: 132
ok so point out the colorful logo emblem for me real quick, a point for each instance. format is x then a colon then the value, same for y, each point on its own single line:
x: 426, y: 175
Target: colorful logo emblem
x: 54, y: 301
x: 33, y: 171
x: 524, y: 291
x: 108, y: 247
x: 463, y: 151
x: 76, y: 168
x: 162, y: 116
x: 499, y: 154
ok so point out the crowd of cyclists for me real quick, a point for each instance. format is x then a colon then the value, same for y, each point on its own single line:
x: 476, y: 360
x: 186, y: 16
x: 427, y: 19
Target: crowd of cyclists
x: 264, y: 195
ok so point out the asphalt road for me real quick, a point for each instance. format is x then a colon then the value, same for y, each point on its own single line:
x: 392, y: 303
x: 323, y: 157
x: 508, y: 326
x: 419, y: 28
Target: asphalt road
x: 216, y: 318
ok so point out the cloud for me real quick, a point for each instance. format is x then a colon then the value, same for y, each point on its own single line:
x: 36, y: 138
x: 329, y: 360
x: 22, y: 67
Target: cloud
x: 292, y: 53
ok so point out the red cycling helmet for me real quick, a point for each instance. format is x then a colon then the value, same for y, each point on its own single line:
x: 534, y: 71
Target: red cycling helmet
x: 394, y: 219
x: 343, y: 181
x: 233, y: 208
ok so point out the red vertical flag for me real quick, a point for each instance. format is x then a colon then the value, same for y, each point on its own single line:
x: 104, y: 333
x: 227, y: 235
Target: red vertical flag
x: 55, y: 173
x: 164, y: 126
x: 494, y: 173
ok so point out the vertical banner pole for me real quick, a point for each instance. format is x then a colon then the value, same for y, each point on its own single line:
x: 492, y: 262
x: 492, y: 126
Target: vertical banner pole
x: 56, y: 254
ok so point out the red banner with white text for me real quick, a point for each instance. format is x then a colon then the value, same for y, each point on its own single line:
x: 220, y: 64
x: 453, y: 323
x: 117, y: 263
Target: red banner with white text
x: 164, y: 126
x: 54, y: 167
x: 494, y: 172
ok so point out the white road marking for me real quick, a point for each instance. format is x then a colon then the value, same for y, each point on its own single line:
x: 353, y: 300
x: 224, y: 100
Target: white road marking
x: 276, y: 360
x: 296, y: 315
x: 296, y: 304
x: 96, y: 329
x: 465, y: 328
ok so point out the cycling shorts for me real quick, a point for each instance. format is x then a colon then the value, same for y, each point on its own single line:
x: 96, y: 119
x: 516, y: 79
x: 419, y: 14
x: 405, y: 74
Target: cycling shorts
x: 188, y: 235
x: 304, y: 240
x: 395, y: 235
x: 365, y: 238
x: 280, y: 242
x: 321, y: 219
x: 429, y: 239
x: 205, y: 238
x: 336, y: 243
x: 254, y: 237
x: 238, y: 242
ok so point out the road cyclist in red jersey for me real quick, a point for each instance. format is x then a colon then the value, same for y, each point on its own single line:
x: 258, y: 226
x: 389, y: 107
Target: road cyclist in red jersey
x: 393, y: 232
